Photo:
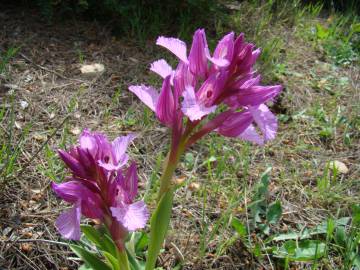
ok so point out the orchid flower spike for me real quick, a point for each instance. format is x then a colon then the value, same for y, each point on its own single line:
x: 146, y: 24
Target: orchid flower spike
x: 101, y: 187
x: 201, y: 82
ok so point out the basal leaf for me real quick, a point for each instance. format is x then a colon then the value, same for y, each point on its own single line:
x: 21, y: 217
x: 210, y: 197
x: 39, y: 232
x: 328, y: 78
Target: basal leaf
x: 239, y: 227
x: 274, y: 212
x: 112, y: 260
x: 90, y: 258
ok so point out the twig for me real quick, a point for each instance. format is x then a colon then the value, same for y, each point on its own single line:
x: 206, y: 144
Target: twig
x: 36, y: 240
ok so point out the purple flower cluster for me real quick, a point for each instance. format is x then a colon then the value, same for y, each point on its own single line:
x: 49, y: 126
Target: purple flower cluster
x: 101, y: 187
x: 202, y: 82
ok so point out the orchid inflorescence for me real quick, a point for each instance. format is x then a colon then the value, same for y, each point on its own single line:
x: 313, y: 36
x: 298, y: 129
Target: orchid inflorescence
x: 219, y: 92
x: 100, y: 187
x: 201, y: 83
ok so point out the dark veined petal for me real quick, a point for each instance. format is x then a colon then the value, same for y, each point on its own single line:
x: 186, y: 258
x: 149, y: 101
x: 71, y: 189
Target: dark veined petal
x: 131, y: 216
x: 147, y: 94
x: 212, y: 88
x: 174, y: 45
x: 198, y: 54
x: 74, y: 164
x: 257, y: 95
x: 68, y: 223
x: 192, y: 108
x: 223, y: 53
x: 129, y: 184
x: 182, y: 79
x: 165, y: 107
x: 235, y: 124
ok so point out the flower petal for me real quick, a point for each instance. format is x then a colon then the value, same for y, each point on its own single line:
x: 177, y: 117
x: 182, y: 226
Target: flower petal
x: 71, y: 191
x: 212, y: 88
x: 198, y: 54
x: 68, y: 223
x: 174, y: 45
x: 119, y: 146
x: 257, y: 95
x: 74, y: 164
x: 130, y: 183
x: 223, y: 53
x: 251, y: 135
x: 235, y: 124
x: 162, y: 68
x: 165, y: 107
x: 192, y: 108
x: 265, y: 120
x: 132, y: 216
x: 88, y: 141
x: 146, y: 94
x: 182, y: 79
x: 75, y: 191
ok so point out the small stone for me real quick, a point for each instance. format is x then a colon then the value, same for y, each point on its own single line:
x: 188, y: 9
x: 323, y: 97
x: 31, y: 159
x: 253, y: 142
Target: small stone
x: 179, y: 180
x: 194, y: 186
x: 339, y: 166
x: 92, y: 69
x: 24, y: 104
x: 25, y: 247
x: 40, y: 137
x: 75, y: 131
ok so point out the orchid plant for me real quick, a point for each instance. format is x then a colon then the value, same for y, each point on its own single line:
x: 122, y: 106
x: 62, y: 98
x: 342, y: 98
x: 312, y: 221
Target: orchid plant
x: 205, y: 93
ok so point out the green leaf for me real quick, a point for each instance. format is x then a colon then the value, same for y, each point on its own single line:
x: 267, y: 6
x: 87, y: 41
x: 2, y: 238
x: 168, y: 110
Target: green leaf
x: 307, y: 250
x: 239, y: 227
x: 340, y: 236
x: 85, y: 267
x: 356, y: 261
x: 92, y: 234
x: 321, y: 32
x: 264, y: 228
x: 356, y: 215
x: 100, y: 238
x: 286, y: 236
x: 258, y: 205
x: 134, y: 263
x: 112, y: 260
x: 90, y: 258
x: 159, y: 225
x: 355, y: 27
x: 142, y: 242
x: 274, y: 212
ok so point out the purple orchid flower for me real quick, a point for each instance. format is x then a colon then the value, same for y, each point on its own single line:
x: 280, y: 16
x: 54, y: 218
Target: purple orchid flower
x: 101, y: 187
x: 202, y: 82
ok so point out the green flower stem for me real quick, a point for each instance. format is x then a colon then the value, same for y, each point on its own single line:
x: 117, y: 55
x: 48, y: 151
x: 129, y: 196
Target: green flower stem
x: 161, y: 217
x: 123, y: 260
